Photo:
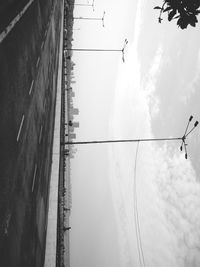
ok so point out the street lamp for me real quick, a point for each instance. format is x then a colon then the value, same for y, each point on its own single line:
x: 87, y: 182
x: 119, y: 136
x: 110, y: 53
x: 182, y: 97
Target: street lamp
x: 183, y: 144
x: 102, y: 18
x: 183, y: 139
x: 100, y: 50
x: 92, y: 5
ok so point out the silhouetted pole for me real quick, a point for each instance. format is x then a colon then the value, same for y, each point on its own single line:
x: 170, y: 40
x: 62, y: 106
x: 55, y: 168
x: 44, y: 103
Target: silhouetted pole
x: 102, y: 19
x: 100, y: 50
x: 142, y: 140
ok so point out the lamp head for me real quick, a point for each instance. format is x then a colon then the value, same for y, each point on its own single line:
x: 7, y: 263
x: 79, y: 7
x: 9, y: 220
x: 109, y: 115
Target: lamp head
x: 191, y: 117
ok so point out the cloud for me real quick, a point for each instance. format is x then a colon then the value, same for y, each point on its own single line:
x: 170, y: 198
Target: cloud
x: 192, y: 85
x: 168, y: 204
x: 168, y: 194
x: 150, y: 82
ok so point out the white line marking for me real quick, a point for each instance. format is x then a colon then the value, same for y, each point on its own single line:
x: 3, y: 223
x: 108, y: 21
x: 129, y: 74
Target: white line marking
x: 40, y: 137
x: 42, y: 45
x: 20, y: 128
x: 13, y: 22
x: 38, y: 62
x: 35, y: 170
x: 31, y: 87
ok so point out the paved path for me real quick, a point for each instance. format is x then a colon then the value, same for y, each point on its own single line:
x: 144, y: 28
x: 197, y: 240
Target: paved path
x: 28, y: 75
x: 51, y: 239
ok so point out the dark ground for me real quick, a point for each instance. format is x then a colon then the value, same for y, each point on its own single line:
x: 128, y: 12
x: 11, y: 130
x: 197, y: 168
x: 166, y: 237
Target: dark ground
x: 23, y: 195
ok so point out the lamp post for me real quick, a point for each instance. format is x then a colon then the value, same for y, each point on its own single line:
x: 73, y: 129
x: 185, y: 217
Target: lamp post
x: 92, y: 5
x: 100, y: 49
x: 123, y: 141
x: 183, y: 139
x: 101, y: 19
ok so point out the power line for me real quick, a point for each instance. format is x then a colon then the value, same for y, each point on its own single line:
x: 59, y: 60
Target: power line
x: 135, y: 207
x: 136, y: 216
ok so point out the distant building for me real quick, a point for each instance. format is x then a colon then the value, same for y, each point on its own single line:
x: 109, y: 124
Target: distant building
x: 76, y: 124
x: 72, y: 136
x: 75, y: 111
x: 71, y: 129
x: 71, y: 93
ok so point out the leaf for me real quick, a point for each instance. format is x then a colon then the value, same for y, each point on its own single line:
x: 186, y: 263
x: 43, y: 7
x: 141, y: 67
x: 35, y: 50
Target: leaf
x: 192, y: 23
x: 181, y: 23
x: 193, y: 20
x: 171, y: 15
x: 167, y: 8
x: 157, y: 7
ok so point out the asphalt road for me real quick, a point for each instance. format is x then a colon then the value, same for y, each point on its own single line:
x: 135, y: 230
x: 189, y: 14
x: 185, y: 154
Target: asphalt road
x: 28, y: 74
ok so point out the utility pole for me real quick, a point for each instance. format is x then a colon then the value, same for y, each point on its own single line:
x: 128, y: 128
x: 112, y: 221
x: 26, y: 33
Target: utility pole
x: 100, y: 49
x: 183, y: 139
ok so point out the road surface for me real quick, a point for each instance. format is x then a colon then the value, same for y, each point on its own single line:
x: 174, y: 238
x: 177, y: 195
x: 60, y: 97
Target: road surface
x: 28, y: 75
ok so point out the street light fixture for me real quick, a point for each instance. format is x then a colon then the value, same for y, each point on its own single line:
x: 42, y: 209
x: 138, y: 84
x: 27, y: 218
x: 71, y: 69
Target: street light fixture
x: 183, y: 144
x: 102, y: 18
x: 143, y: 140
x: 100, y: 50
x: 92, y: 5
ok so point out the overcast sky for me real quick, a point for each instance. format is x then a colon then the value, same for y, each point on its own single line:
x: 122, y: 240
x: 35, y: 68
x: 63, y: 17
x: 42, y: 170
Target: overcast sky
x: 152, y: 94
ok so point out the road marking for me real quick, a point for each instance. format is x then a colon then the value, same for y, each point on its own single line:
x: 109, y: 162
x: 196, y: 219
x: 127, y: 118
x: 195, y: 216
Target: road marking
x: 8, y: 216
x: 42, y: 45
x: 40, y: 136
x: 14, y: 21
x: 31, y: 87
x: 34, y: 175
x: 38, y: 62
x: 20, y: 128
x: 45, y: 104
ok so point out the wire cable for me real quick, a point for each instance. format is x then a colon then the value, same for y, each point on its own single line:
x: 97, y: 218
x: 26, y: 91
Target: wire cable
x: 136, y: 216
x: 135, y: 207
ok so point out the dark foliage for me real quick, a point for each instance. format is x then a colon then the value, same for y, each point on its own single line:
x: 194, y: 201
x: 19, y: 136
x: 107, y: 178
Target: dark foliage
x: 184, y: 11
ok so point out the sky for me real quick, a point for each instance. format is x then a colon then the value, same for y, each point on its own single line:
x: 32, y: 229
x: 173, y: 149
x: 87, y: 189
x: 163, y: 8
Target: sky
x: 151, y: 95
